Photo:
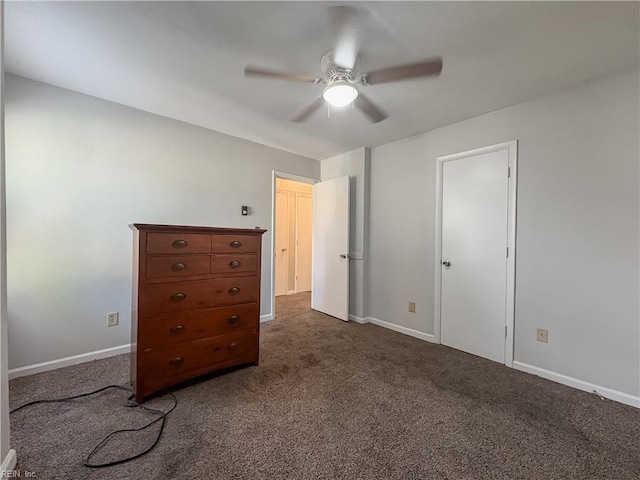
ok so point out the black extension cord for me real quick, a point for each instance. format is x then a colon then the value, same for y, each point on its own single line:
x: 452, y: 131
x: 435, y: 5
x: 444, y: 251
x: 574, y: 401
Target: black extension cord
x: 87, y: 461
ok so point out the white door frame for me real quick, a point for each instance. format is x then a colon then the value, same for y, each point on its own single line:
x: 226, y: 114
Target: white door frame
x: 288, y: 176
x: 279, y: 255
x: 512, y: 149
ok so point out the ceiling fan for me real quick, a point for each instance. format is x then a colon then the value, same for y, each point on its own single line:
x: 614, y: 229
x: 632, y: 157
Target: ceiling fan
x: 340, y: 77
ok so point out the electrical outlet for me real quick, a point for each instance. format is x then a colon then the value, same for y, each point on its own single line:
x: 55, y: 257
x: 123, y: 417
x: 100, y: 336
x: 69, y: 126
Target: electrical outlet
x: 112, y: 319
x: 542, y: 335
x: 412, y: 307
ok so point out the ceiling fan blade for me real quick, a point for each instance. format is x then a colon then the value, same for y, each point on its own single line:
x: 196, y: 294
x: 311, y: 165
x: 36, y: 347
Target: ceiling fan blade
x: 421, y: 69
x: 308, y: 111
x: 370, y: 110
x: 250, y: 71
x: 347, y: 28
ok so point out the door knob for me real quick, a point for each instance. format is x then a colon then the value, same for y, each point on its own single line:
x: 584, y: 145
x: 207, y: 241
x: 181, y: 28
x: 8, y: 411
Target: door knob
x: 446, y: 263
x: 284, y: 249
x: 343, y: 255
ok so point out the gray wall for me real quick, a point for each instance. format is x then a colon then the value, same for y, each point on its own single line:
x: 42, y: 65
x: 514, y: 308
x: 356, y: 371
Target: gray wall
x: 79, y: 170
x: 4, y: 363
x: 577, y: 229
x: 355, y: 164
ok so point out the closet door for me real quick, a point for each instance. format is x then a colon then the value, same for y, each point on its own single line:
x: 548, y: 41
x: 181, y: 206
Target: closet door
x: 281, y: 262
x: 304, y: 215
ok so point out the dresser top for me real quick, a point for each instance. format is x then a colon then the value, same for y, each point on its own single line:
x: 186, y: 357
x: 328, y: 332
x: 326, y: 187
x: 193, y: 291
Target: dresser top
x: 147, y: 227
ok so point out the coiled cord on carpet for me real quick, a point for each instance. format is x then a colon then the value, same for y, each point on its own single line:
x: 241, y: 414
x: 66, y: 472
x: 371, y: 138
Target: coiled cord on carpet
x: 87, y: 460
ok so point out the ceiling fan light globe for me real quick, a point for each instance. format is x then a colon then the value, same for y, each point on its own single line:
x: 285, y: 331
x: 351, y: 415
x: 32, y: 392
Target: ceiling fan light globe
x: 340, y: 94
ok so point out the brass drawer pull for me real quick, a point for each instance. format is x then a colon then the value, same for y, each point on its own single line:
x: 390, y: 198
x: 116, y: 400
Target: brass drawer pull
x: 176, y: 361
x: 178, y: 297
x: 179, y: 243
x: 177, y: 329
x: 233, y: 319
x: 234, y: 291
x: 233, y: 346
x: 235, y: 244
x: 178, y: 267
x: 234, y: 264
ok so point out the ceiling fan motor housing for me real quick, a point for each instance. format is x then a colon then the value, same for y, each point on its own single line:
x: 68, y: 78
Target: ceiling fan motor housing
x: 333, y: 73
x: 339, y: 74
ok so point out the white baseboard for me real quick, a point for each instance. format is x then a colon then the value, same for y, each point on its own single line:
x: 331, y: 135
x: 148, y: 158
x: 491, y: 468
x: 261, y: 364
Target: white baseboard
x: 68, y: 361
x: 579, y: 384
x: 9, y: 463
x: 266, y: 318
x: 398, y: 328
x: 357, y: 319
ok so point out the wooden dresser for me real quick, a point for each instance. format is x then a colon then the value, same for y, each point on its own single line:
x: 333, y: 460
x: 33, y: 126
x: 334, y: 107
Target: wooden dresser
x: 195, y: 305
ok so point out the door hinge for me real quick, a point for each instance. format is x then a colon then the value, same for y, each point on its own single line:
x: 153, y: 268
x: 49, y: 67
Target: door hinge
x: 505, y: 331
x: 508, y: 171
x: 507, y: 252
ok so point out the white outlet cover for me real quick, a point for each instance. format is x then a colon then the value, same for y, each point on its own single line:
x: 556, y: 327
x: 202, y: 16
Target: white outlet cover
x: 113, y: 319
x: 542, y: 335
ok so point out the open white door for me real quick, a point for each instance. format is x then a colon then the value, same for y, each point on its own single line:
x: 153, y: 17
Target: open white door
x: 330, y: 245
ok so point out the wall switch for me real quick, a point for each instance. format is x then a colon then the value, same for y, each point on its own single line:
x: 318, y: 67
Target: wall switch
x: 112, y: 319
x: 412, y: 307
x: 542, y: 335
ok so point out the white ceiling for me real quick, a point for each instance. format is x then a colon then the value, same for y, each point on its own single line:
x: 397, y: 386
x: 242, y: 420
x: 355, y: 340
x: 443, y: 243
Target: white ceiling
x: 185, y: 60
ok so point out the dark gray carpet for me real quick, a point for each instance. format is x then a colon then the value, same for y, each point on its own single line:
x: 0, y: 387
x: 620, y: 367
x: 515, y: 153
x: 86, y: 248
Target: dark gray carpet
x: 334, y: 400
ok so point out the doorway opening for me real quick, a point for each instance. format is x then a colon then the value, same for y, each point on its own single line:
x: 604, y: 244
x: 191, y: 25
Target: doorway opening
x: 292, y: 231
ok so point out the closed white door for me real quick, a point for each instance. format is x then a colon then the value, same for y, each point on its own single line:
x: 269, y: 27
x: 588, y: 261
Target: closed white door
x: 330, y: 245
x: 304, y: 217
x: 475, y: 200
x: 281, y: 253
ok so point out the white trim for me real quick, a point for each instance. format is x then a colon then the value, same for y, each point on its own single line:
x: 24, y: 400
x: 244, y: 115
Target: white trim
x: 67, y: 361
x: 289, y: 176
x: 512, y: 148
x: 437, y: 264
x: 295, y: 241
x: 609, y: 393
x: 9, y: 462
x: 511, y: 259
x: 359, y: 320
x: 266, y: 318
x: 398, y: 328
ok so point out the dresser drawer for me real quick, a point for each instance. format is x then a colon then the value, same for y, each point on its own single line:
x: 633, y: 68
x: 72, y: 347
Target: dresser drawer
x: 185, y: 357
x: 178, y: 266
x: 183, y: 296
x: 181, y: 327
x: 235, y: 243
x: 232, y: 263
x: 178, y: 243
